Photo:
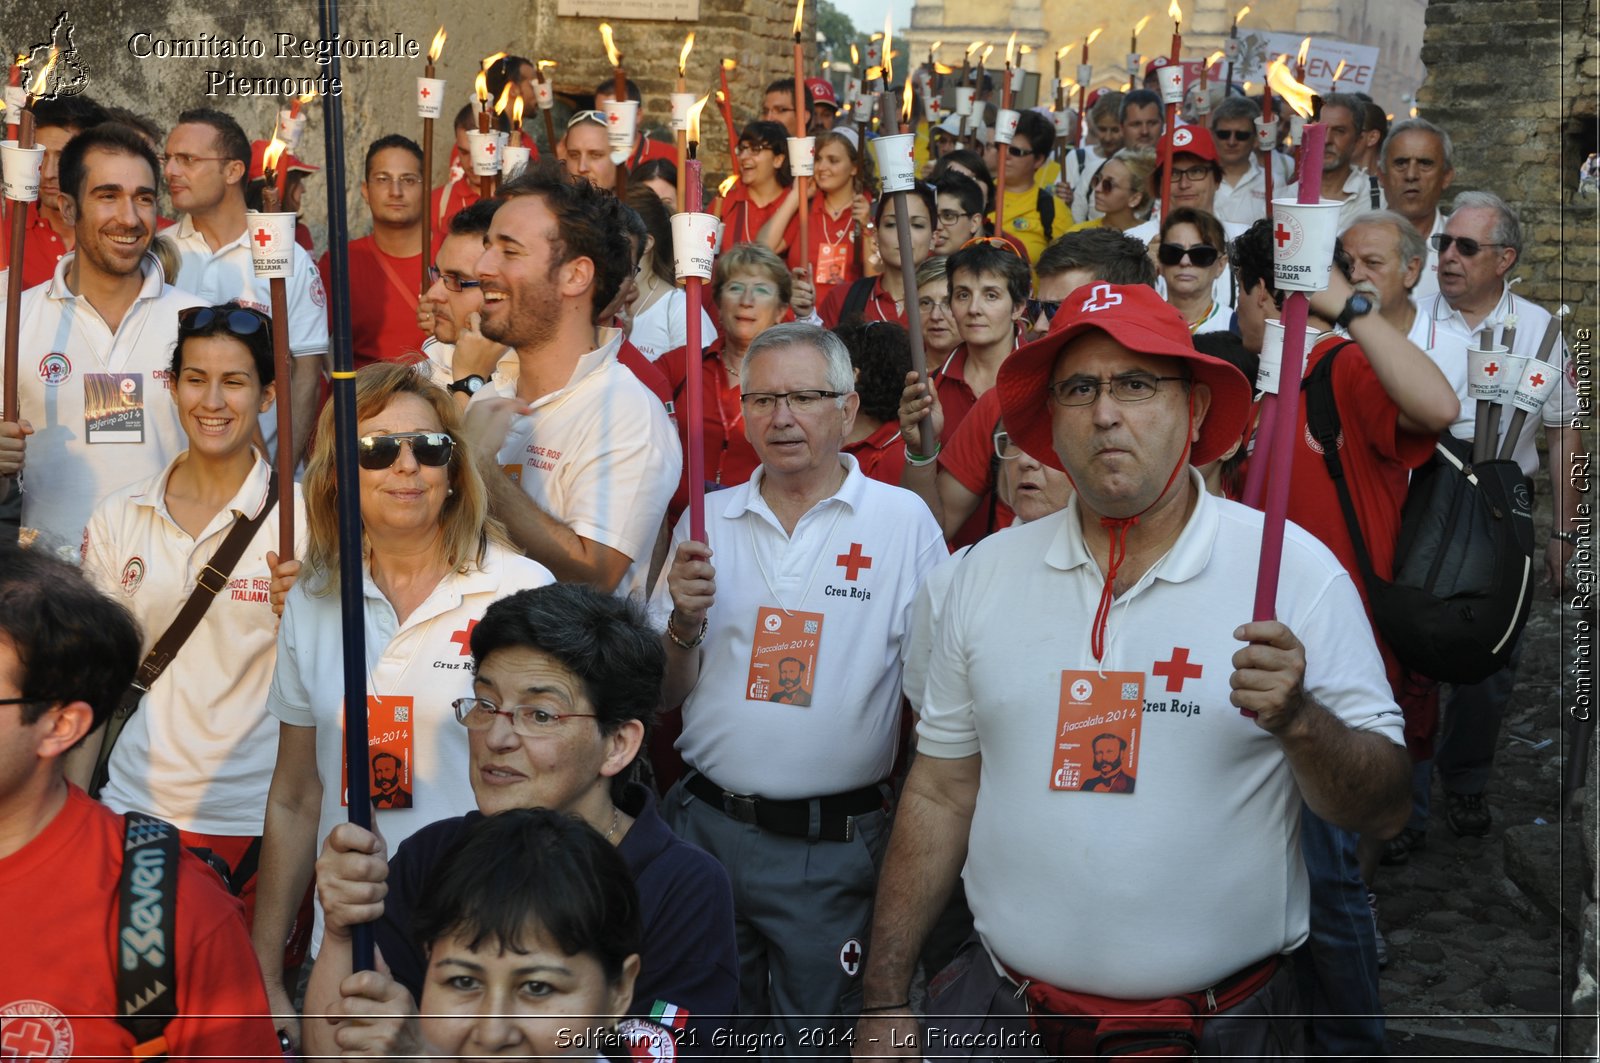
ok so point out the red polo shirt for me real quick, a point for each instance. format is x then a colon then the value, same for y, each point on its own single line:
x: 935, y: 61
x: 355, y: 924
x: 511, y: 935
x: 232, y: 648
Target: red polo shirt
x: 882, y: 455
x: 729, y: 457
x: 880, y: 306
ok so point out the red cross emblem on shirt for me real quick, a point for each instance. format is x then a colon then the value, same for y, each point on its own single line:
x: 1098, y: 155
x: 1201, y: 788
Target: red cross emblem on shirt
x: 1177, y: 669
x: 850, y: 957
x: 262, y: 237
x: 1491, y: 369
x: 853, y: 562
x: 1101, y: 297
x: 463, y: 638
x: 1537, y: 380
x: 1282, y: 235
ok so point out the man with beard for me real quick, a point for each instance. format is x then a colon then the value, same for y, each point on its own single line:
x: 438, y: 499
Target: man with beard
x: 791, y: 673
x: 388, y: 790
x: 461, y: 359
x: 1387, y: 257
x: 1415, y: 168
x: 1342, y: 178
x: 97, y: 344
x: 579, y: 456
x: 1109, y: 749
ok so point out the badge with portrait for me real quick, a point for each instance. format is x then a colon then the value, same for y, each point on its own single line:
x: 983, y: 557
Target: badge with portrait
x: 113, y: 407
x: 783, y: 657
x: 389, y: 753
x: 1096, y: 745
x: 831, y: 262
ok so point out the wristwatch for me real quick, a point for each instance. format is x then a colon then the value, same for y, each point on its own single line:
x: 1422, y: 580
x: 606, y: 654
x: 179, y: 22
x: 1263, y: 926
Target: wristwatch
x: 468, y: 385
x: 1358, y: 305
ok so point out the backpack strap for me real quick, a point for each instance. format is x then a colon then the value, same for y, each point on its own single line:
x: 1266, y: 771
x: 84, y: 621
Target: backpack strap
x: 147, y: 907
x: 1322, y: 420
x: 1372, y: 191
x: 855, y: 299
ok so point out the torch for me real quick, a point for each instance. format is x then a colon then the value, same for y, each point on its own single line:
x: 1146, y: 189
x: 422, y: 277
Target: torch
x: 479, y: 145
x: 23, y: 161
x: 272, y: 256
x: 965, y: 93
x: 1230, y: 48
x: 1539, y: 378
x: 898, y: 174
x: 694, y: 238
x: 800, y: 145
x: 619, y: 93
x: 682, y: 101
x: 501, y: 139
x: 1085, y: 75
x: 725, y: 103
x: 16, y: 96
x: 514, y: 159
x: 544, y: 93
x: 430, y: 105
x: 1170, y: 73
x: 1133, y: 49
x: 1005, y: 126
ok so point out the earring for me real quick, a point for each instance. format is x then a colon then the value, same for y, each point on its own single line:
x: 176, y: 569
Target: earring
x: 448, y: 491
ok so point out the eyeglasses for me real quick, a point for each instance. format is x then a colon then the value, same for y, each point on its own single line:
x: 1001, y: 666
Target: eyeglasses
x: 238, y: 320
x: 948, y: 218
x: 928, y: 304
x: 185, y: 160
x: 404, y: 180
x: 765, y: 402
x: 1085, y: 391
x: 1004, y: 448
x: 739, y: 289
x: 1466, y: 246
x: 1191, y: 174
x: 1108, y: 184
x: 598, y: 117
x: 529, y: 721
x: 1047, y: 307
x: 380, y: 452
x: 1238, y: 136
x: 1202, y: 255
x: 452, y: 282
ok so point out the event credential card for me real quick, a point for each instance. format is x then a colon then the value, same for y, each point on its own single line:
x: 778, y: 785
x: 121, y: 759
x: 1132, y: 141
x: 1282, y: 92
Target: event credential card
x: 1097, y: 732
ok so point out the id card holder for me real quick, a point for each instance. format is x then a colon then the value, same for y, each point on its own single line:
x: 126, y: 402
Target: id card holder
x: 783, y: 657
x: 390, y: 749
x: 113, y: 407
x: 831, y: 262
x: 1096, y: 744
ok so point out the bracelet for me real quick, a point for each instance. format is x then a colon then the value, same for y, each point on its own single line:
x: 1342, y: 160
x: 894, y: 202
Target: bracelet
x: 1566, y: 537
x: 698, y: 639
x: 917, y: 461
x: 903, y: 1005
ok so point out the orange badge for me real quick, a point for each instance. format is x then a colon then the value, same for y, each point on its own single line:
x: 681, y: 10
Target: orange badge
x: 1097, y: 732
x: 389, y: 752
x: 783, y: 658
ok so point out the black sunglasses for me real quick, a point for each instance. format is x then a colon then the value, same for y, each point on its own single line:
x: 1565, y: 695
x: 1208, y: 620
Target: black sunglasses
x: 1466, y: 245
x: 452, y: 282
x: 380, y: 452
x: 236, y: 319
x: 1236, y: 135
x: 1202, y: 255
x: 1047, y: 307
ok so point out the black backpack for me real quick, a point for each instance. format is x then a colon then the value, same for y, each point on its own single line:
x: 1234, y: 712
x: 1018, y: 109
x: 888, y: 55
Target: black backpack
x: 1463, y: 561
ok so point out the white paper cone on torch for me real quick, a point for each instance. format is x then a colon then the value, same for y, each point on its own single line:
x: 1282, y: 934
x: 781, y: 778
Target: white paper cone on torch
x: 802, y: 156
x: 1303, y: 236
x: 544, y: 93
x: 1170, y: 78
x: 964, y: 97
x: 1266, y: 133
x: 1230, y: 49
x: 875, y: 54
x: 1516, y: 366
x: 1133, y: 67
x: 852, y: 90
x: 1270, y: 368
x: 896, y: 168
x: 864, y: 107
x: 1085, y: 73
x: 622, y: 118
x: 694, y: 245
x: 1065, y: 122
x: 272, y: 245
x: 1017, y: 76
x: 513, y: 160
x: 1534, y: 387
x: 1486, y: 374
x: 290, y: 128
x: 485, y: 151
x: 430, y: 98
x: 1297, y: 128
x: 681, y: 103
x: 16, y: 100
x: 1005, y: 125
x: 21, y: 167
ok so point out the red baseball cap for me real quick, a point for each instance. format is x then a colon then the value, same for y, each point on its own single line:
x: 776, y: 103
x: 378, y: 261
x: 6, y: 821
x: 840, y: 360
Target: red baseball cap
x: 1155, y: 64
x: 1193, y: 140
x: 290, y: 164
x: 820, y: 90
x: 1139, y: 319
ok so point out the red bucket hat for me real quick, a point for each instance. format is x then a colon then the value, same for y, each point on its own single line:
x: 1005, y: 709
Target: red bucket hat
x: 1139, y: 319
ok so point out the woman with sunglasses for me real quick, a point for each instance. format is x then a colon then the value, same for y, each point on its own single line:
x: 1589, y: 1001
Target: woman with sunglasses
x: 432, y: 562
x: 1190, y: 257
x: 763, y: 166
x: 841, y: 206
x: 1122, y: 191
x: 199, y: 750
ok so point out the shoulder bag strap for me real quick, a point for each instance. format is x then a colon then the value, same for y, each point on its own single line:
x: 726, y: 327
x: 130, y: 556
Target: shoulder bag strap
x: 1322, y: 418
x: 147, y: 907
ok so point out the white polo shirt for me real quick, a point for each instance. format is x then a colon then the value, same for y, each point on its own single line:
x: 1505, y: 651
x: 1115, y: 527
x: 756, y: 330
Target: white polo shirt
x: 67, y: 347
x: 1245, y: 203
x: 200, y: 750
x: 1197, y: 872
x: 599, y: 455
x: 228, y: 273
x: 1077, y: 176
x: 441, y: 365
x: 1443, y: 333
x: 1428, y: 280
x: 857, y: 559
x: 426, y: 659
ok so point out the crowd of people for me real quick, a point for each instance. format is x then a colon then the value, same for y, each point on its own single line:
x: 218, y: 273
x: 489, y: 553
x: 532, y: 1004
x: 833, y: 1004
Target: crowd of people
x: 959, y: 690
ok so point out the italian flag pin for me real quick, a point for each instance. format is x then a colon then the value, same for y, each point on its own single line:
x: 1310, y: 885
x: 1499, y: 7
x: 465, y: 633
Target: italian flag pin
x: 669, y: 1015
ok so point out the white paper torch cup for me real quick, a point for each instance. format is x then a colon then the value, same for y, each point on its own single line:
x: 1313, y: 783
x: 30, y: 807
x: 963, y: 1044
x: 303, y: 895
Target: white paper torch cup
x: 544, y: 93
x: 964, y: 97
x: 1266, y: 133
x: 430, y: 97
x: 271, y: 239
x: 896, y: 169
x: 1064, y: 123
x: 1271, y: 364
x: 1486, y: 372
x: 694, y: 245
x: 1537, y: 381
x: 681, y: 103
x: 802, y: 156
x: 21, y: 167
x: 1133, y: 68
x: 513, y: 159
x: 1170, y: 78
x: 1303, y: 236
x: 1005, y: 126
x: 290, y: 128
x: 485, y: 151
x: 622, y: 118
x: 852, y: 90
x: 16, y: 100
x: 1297, y: 126
x: 1017, y: 77
x: 1085, y: 74
x: 1230, y: 49
x: 874, y: 54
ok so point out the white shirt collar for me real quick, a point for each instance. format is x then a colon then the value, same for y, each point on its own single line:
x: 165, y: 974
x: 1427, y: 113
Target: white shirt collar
x: 850, y: 492
x: 1185, y: 559
x: 153, y: 280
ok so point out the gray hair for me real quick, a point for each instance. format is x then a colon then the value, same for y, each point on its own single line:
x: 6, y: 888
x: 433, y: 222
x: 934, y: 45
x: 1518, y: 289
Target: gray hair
x: 1234, y: 108
x: 1352, y: 103
x: 841, y: 376
x: 1507, y: 226
x: 1416, y: 125
x: 1411, y: 243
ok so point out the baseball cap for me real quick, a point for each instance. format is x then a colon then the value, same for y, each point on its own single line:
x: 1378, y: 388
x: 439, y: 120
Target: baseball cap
x: 288, y: 163
x: 820, y: 90
x: 1193, y: 140
x: 1155, y: 64
x: 1139, y: 319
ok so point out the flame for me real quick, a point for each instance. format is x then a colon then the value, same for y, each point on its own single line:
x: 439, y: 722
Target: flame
x: 1138, y: 27
x: 983, y: 56
x: 940, y: 68
x: 1243, y: 11
x: 612, y: 54
x: 1305, y: 49
x: 727, y: 184
x: 694, y: 118
x: 683, y: 56
x: 480, y: 88
x: 1246, y: 87
x: 1339, y: 73
x: 905, y: 102
x: 934, y: 47
x: 729, y: 64
x: 874, y: 73
x: 544, y: 63
x: 1093, y: 36
x: 516, y: 112
x: 875, y: 38
x: 1064, y: 51
x: 799, y: 15
x: 974, y: 46
x: 269, y: 158
x: 1283, y: 83
x: 1175, y: 13
x: 888, y: 42
x: 1011, y: 48
x: 437, y: 46
x: 491, y: 60
x: 308, y: 97
x: 505, y: 98
x: 1024, y: 49
x: 1413, y: 112
x: 855, y: 56
x: 1214, y: 58
x: 42, y: 79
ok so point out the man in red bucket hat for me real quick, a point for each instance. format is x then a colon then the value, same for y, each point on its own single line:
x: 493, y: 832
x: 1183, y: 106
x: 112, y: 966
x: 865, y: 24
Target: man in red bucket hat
x: 1154, y: 920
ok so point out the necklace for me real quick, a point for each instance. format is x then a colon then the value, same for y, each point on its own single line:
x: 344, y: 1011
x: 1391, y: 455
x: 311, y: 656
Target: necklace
x: 616, y: 821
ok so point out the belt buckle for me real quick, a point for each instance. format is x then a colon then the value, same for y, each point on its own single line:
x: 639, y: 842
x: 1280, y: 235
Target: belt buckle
x: 741, y: 807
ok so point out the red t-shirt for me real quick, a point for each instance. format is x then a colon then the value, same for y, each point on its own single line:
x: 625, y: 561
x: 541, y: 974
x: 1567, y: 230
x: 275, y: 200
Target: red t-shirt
x: 832, y: 245
x: 58, y: 993
x: 463, y: 194
x: 383, y: 302
x: 879, y: 307
x: 651, y: 148
x: 729, y: 457
x: 882, y: 455
x: 968, y: 455
x: 742, y: 218
x: 42, y: 249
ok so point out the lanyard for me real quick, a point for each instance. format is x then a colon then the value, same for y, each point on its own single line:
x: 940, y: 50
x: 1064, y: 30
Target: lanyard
x: 815, y: 567
x: 722, y: 416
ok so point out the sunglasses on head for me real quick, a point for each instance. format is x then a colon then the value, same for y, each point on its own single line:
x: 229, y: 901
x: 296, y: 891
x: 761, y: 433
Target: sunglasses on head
x: 236, y: 319
x: 992, y: 241
x: 1466, y: 246
x: 587, y: 116
x: 380, y: 452
x: 1201, y: 255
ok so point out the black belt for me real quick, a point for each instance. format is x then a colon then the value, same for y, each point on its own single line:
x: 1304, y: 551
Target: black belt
x: 832, y: 815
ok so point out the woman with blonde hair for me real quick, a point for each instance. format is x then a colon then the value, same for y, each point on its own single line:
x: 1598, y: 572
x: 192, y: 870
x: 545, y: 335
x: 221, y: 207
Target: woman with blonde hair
x: 432, y: 560
x: 1122, y: 191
